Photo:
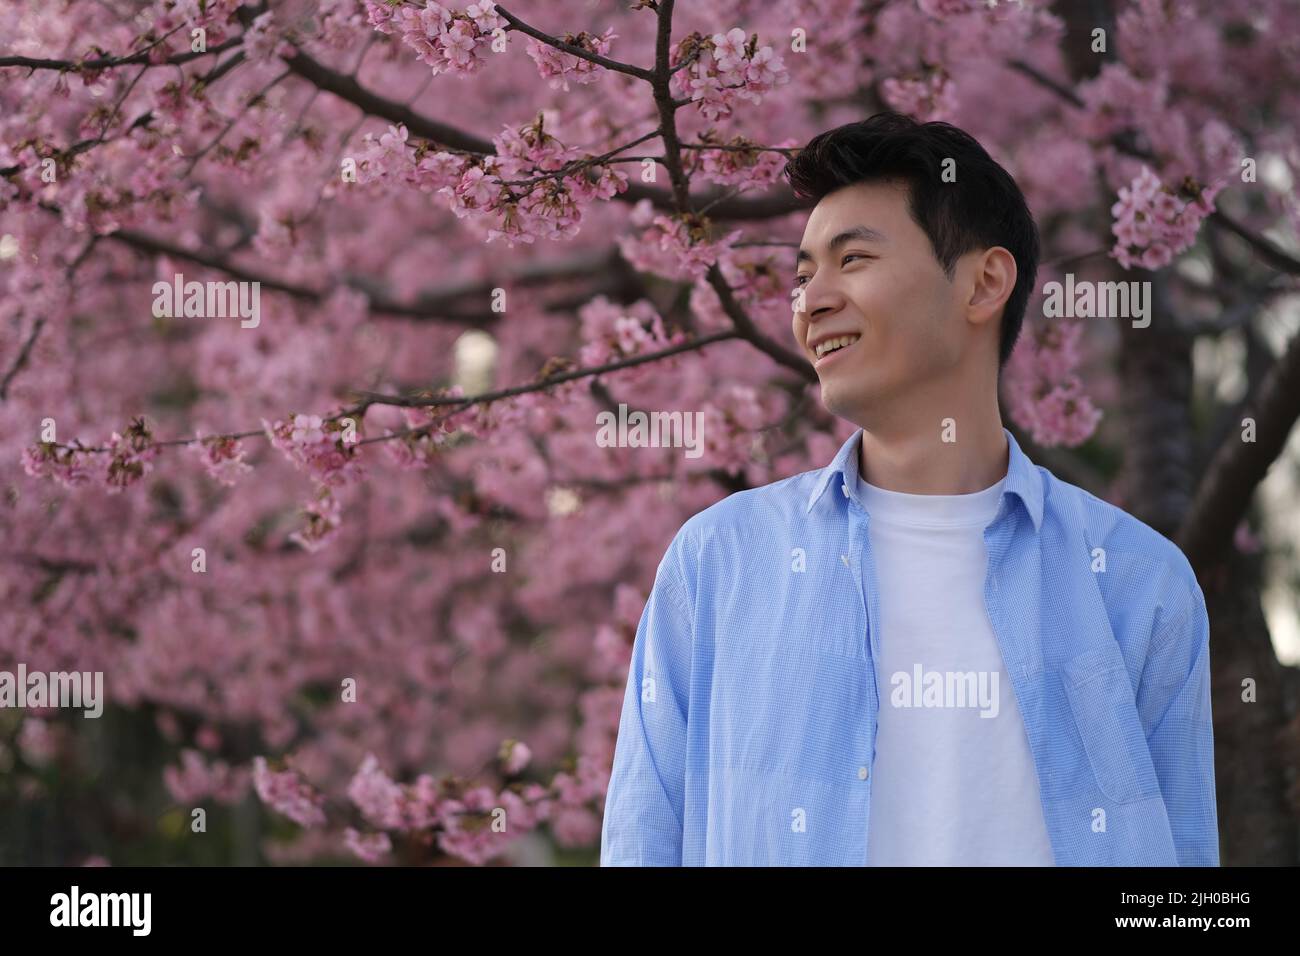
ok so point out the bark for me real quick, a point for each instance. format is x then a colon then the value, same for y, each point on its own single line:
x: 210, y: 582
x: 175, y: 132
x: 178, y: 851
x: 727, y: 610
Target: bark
x: 1255, y: 753
x: 1155, y: 382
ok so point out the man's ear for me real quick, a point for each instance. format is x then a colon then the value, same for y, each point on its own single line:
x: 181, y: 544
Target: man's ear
x: 993, y: 281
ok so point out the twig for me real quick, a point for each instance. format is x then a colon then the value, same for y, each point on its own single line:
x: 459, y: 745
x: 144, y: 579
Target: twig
x: 579, y: 52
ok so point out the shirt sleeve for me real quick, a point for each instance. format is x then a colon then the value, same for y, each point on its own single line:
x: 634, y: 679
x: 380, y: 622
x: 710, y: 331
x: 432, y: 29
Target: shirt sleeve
x: 644, y: 804
x: 1175, y: 694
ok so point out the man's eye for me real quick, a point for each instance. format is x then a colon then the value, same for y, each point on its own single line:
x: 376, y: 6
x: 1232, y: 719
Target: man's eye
x: 800, y: 280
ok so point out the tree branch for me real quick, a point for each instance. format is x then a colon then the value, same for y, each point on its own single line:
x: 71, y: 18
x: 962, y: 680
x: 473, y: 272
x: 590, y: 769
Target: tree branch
x: 672, y: 159
x: 108, y: 63
x: 778, y: 203
x: 1237, y: 468
x: 1271, y: 254
x: 572, y: 50
x: 663, y: 98
x: 1042, y: 79
x: 460, y: 402
x: 347, y: 88
x: 417, y: 401
x: 748, y: 331
x: 21, y: 360
x: 440, y: 306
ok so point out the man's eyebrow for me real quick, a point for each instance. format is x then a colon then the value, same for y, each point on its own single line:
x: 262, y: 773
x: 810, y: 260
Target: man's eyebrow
x: 863, y: 233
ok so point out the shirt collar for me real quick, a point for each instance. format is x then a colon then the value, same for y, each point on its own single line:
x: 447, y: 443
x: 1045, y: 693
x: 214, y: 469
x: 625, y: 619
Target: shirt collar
x: 1023, y: 479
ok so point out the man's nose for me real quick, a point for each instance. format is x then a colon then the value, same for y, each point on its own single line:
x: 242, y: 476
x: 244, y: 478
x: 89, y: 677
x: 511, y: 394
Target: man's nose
x: 820, y: 299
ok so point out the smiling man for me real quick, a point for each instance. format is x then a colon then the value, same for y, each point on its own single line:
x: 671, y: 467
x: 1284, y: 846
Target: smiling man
x: 931, y: 651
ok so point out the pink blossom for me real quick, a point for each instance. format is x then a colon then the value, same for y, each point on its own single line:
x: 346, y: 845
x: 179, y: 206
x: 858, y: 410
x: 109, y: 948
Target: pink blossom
x: 387, y: 158
x: 323, y: 516
x: 558, y: 67
x: 370, y: 847
x: 515, y: 756
x: 321, y: 448
x: 447, y: 41
x: 731, y: 428
x: 377, y: 797
x: 428, y: 431
x: 380, y: 15
x: 745, y: 165
x: 391, y: 806
x: 195, y: 779
x: 1153, y: 225
x: 67, y: 464
x: 677, y: 247
x: 222, y: 457
x: 729, y: 48
x: 285, y: 792
x: 1044, y: 393
x: 261, y: 38
x: 467, y: 826
x: 724, y: 71
x: 614, y: 332
x: 131, y: 456
x: 931, y: 97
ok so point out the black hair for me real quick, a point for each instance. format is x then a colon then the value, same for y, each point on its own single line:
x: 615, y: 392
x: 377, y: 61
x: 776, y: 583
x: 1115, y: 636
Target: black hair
x: 983, y: 208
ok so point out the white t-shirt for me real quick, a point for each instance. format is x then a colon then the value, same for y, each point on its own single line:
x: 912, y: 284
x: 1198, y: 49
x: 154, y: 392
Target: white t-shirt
x: 953, y: 779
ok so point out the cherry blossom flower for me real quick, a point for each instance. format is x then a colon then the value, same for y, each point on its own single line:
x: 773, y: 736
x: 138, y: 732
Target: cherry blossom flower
x: 514, y: 757
x: 447, y: 41
x: 320, y: 448
x: 727, y: 68
x: 285, y: 792
x: 1044, y: 392
x: 195, y: 779
x: 131, y: 456
x: 744, y: 164
x: 69, y: 464
x: 558, y: 67
x: 370, y: 847
x: 222, y: 457
x: 931, y: 97
x: 1153, y: 224
x: 323, y: 514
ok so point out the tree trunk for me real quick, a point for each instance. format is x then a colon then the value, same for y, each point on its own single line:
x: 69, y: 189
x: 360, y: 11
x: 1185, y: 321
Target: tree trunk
x: 1254, y: 752
x: 1254, y: 743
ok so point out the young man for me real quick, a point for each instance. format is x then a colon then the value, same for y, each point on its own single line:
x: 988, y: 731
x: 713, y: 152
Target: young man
x: 931, y: 651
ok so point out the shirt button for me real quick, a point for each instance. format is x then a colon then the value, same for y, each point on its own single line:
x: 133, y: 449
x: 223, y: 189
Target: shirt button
x: 862, y: 773
x: 845, y: 488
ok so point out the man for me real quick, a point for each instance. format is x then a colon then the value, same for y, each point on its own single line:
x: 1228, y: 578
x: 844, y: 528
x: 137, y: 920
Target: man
x: 931, y: 651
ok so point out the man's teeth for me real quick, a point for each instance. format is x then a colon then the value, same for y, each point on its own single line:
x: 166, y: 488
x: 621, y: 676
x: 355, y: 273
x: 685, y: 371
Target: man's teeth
x: 831, y: 344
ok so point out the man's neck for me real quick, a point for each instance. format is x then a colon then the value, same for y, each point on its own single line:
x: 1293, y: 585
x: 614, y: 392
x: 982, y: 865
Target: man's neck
x: 923, y: 463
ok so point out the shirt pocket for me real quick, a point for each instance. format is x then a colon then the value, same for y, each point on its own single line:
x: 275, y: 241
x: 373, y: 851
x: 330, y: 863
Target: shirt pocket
x: 1105, y: 715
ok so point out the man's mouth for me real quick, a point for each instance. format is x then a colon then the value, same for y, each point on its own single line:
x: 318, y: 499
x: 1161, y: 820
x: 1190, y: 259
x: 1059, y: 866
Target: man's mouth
x: 833, y: 346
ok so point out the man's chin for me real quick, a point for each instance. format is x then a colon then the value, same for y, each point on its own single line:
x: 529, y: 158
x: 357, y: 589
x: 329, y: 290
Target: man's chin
x: 841, y: 398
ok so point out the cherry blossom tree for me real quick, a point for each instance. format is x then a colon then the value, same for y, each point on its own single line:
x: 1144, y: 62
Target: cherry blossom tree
x: 361, y: 582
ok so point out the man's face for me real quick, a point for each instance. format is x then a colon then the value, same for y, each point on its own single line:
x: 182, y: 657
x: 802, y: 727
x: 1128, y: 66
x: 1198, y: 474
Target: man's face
x: 883, y: 289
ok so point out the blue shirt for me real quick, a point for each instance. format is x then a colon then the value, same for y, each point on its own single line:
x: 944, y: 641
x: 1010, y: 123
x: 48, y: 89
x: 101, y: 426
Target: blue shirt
x: 749, y: 720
